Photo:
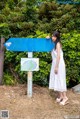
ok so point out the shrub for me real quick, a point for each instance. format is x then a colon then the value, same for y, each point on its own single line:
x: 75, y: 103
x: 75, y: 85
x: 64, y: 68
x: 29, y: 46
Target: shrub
x: 71, y: 43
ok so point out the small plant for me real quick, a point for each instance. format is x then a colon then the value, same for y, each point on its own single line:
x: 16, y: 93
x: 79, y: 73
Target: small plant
x: 8, y: 79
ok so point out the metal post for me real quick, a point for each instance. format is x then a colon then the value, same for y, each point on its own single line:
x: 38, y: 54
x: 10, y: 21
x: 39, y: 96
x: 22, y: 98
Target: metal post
x: 29, y: 82
x: 2, y: 40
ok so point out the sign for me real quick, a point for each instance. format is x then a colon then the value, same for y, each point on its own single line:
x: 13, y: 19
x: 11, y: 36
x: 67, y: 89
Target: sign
x: 29, y: 64
x: 29, y: 44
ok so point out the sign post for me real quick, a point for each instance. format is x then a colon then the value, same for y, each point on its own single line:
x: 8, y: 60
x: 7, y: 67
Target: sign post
x: 29, y: 78
x: 29, y: 64
x: 29, y: 45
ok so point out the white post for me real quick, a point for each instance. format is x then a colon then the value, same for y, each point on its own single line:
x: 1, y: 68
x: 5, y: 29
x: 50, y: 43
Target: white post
x: 29, y: 82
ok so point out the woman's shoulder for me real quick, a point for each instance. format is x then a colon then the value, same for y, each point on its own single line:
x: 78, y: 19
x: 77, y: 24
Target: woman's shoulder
x: 58, y: 45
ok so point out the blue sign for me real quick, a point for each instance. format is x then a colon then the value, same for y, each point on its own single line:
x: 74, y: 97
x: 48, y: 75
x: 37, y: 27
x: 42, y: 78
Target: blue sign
x: 29, y: 44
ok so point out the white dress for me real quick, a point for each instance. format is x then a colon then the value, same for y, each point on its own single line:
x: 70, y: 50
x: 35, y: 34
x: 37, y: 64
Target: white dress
x: 58, y: 81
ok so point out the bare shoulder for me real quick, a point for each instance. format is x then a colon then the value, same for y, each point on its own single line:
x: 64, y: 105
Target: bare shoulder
x: 58, y: 45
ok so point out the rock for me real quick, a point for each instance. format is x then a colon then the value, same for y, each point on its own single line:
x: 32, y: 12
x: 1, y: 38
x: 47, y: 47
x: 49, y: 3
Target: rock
x: 76, y: 89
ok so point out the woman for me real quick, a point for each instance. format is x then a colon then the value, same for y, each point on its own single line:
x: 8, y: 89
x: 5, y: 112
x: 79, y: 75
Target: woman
x: 57, y: 74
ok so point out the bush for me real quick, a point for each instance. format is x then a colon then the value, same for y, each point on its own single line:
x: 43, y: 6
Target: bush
x: 32, y: 19
x: 12, y: 60
x: 71, y: 43
x: 8, y: 79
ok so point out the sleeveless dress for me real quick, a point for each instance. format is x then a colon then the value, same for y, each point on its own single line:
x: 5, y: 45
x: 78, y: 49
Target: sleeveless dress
x: 58, y: 81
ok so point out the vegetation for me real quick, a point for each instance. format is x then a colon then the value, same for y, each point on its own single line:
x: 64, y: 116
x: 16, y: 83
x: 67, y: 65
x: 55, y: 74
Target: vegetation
x: 37, y: 18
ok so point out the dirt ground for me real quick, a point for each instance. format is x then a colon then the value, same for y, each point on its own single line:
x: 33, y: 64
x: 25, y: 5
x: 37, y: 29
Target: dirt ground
x: 41, y: 106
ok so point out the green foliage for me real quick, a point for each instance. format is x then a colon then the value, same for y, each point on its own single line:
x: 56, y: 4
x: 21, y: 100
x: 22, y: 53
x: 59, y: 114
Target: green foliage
x: 71, y: 43
x: 8, y: 79
x: 41, y: 76
x: 38, y: 18
x: 62, y: 17
x: 23, y: 18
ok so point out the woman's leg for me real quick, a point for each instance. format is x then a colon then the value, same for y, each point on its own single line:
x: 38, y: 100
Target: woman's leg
x: 64, y: 95
x: 65, y: 99
x: 60, y: 95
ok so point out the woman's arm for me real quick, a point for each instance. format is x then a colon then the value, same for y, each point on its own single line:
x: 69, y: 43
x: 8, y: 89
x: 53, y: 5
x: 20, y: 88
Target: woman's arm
x: 58, y: 54
x: 58, y: 57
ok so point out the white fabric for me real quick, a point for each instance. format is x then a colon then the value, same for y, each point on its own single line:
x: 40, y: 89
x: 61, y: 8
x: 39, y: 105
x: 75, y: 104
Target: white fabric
x: 58, y: 81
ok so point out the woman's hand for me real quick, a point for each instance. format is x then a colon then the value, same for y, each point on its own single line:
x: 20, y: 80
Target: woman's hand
x: 47, y: 37
x: 56, y: 70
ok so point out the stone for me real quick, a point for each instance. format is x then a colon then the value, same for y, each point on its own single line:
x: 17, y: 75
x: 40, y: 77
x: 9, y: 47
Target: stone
x: 76, y: 89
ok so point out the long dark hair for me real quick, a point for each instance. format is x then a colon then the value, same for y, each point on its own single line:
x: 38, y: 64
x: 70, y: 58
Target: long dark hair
x: 57, y: 35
